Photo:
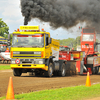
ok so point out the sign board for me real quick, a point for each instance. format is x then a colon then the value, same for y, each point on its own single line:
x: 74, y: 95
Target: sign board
x: 29, y: 27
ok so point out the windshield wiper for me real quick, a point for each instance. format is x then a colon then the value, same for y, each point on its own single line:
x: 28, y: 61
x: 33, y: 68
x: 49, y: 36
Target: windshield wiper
x: 27, y: 46
x: 35, y: 46
x: 20, y: 46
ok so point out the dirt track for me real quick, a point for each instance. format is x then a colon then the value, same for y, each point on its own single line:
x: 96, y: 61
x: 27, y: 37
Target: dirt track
x: 27, y: 83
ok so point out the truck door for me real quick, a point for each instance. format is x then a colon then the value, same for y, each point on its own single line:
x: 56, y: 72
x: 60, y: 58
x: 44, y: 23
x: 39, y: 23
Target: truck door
x: 47, y: 46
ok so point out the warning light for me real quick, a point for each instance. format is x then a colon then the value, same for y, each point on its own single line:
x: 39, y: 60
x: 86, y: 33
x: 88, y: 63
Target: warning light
x: 80, y: 27
x: 18, y: 30
x: 42, y: 29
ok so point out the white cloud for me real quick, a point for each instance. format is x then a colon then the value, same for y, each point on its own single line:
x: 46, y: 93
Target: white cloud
x: 9, y: 21
x: 11, y: 13
x: 11, y: 9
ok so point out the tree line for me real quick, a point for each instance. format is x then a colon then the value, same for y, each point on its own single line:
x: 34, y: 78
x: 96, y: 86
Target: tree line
x: 71, y: 42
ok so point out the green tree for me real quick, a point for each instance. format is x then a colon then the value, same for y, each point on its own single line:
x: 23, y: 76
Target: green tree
x: 11, y: 38
x: 71, y: 42
x: 3, y: 28
x: 77, y: 42
x: 68, y: 42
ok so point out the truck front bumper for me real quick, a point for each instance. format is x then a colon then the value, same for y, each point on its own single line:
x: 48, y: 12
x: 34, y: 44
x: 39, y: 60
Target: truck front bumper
x: 30, y: 66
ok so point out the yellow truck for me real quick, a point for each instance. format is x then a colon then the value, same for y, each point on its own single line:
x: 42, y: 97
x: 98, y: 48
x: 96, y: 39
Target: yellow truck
x: 34, y: 51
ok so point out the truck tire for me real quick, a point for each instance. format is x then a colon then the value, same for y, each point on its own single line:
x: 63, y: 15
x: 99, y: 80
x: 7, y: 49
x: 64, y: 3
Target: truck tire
x: 62, y: 71
x: 17, y: 72
x: 49, y: 73
x: 74, y: 70
x: 81, y: 68
x: 95, y: 70
x: 9, y: 62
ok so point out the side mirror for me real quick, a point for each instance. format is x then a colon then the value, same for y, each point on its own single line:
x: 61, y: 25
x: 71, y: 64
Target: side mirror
x: 50, y: 40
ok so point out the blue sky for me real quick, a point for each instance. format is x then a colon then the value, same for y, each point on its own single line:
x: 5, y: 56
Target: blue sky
x: 10, y: 12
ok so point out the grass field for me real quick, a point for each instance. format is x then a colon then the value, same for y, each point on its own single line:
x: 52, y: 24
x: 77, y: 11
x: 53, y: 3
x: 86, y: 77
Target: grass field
x: 3, y: 67
x: 68, y: 93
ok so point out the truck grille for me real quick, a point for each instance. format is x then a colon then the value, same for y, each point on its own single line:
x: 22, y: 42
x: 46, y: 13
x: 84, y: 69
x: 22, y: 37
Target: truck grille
x: 26, y: 65
x: 26, y: 55
x: 24, y: 62
x: 26, y: 52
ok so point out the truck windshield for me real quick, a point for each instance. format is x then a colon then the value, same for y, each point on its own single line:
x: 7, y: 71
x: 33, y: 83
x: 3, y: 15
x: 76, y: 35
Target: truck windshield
x: 64, y: 49
x: 3, y: 48
x: 87, y: 37
x: 28, y: 40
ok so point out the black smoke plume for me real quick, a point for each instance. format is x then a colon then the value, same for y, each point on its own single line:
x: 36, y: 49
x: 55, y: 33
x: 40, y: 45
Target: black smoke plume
x: 62, y: 13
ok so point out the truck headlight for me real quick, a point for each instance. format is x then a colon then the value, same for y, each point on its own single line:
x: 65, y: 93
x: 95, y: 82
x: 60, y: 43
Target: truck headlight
x: 12, y: 62
x: 40, y: 62
x: 37, y: 52
x: 16, y: 52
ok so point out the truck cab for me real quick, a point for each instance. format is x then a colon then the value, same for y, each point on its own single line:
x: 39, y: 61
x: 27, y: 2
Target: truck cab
x: 33, y: 50
x: 88, y: 41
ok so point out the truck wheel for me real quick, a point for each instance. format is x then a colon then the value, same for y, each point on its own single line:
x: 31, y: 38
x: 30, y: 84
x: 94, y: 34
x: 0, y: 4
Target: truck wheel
x: 49, y: 73
x: 17, y: 72
x: 96, y: 70
x: 93, y: 70
x: 62, y: 72
x: 9, y: 62
x: 74, y: 70
x: 81, y: 68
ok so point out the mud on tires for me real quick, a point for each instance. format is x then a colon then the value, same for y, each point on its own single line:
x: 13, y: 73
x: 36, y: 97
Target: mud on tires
x: 71, y: 70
